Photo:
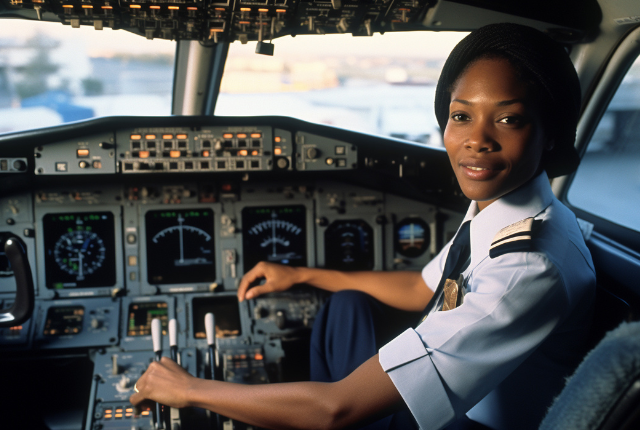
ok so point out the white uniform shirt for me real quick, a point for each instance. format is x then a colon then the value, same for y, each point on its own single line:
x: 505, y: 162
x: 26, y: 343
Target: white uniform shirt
x: 502, y: 355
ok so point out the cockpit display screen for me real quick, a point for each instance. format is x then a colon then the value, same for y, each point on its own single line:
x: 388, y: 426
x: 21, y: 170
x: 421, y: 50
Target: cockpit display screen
x: 180, y: 246
x: 141, y: 315
x: 64, y: 320
x: 226, y: 314
x: 79, y: 250
x: 277, y: 234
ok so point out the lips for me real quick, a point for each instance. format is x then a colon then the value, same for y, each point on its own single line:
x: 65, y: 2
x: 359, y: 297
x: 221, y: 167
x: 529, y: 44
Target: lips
x: 479, y: 169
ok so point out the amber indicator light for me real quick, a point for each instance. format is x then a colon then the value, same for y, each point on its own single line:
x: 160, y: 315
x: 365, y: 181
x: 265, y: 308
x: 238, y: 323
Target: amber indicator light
x: 256, y: 135
x: 243, y: 152
x: 174, y: 154
x: 107, y: 7
x: 277, y: 150
x: 87, y: 6
x: 67, y: 6
x: 254, y: 153
x: 150, y: 136
x: 154, y: 7
x: 242, y: 135
x: 83, y: 152
x: 192, y: 8
x: 136, y: 137
x: 281, y: 10
x: 245, y: 9
x: 181, y: 136
x: 227, y: 135
x: 206, y: 153
x: 135, y: 6
x: 174, y: 7
x: 167, y: 136
x: 277, y: 139
x: 263, y: 10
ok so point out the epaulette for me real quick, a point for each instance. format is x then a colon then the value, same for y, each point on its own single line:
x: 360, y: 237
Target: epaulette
x: 516, y: 237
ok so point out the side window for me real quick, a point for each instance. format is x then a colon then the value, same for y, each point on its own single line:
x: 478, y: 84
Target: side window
x: 607, y: 183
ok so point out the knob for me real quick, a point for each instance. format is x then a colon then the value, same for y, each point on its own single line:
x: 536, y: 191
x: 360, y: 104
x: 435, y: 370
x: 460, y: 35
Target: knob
x: 123, y: 384
x: 83, y: 164
x: 20, y: 165
x: 115, y: 368
x: 96, y: 323
x: 312, y: 153
x: 282, y: 163
x: 322, y: 221
x: 281, y: 320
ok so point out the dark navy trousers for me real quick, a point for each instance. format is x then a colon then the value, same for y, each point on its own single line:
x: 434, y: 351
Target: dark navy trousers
x: 349, y: 329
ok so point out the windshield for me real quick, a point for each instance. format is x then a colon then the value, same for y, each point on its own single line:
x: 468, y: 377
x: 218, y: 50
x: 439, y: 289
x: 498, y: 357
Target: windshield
x: 52, y: 74
x: 384, y: 84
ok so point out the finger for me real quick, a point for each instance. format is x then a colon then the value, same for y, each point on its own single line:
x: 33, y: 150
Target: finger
x: 247, y: 279
x: 259, y: 290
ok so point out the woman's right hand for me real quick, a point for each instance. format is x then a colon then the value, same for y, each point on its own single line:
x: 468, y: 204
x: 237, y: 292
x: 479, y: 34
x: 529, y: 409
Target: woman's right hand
x: 277, y: 278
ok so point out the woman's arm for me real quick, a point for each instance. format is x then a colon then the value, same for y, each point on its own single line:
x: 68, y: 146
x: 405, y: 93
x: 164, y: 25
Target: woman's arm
x: 366, y: 394
x: 401, y: 290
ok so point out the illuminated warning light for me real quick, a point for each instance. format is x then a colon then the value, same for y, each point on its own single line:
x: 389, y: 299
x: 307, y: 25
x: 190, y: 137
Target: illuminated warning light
x: 136, y: 136
x: 174, y: 154
x: 181, y: 136
x: 220, y: 9
x: 118, y: 411
x: 277, y: 150
x: 128, y: 415
x: 243, y: 152
x: 227, y: 187
x: 118, y: 415
x: 254, y: 153
x: 149, y: 136
x: 192, y: 8
x: 245, y: 9
x: 108, y: 411
x: 144, y: 154
x: 167, y: 136
x: 281, y: 11
x: 145, y: 413
x: 244, y: 23
x: 404, y: 9
x: 67, y: 6
x: 83, y: 152
x: 228, y: 136
x: 277, y: 139
x: 206, y: 153
x: 256, y: 135
x: 263, y: 10
x: 242, y: 135
x: 108, y: 416
x: 154, y: 7
x: 129, y: 410
x: 135, y: 6
x: 107, y: 7
x: 15, y: 328
x: 174, y: 7
x: 87, y: 6
x: 258, y: 357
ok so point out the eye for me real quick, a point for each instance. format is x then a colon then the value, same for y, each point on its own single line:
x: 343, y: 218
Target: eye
x: 459, y: 117
x: 512, y: 120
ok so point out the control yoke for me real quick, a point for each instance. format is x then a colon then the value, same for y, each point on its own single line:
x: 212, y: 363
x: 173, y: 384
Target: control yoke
x: 22, y: 307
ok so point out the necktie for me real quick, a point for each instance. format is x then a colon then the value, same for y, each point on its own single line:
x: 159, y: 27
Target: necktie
x: 457, y: 260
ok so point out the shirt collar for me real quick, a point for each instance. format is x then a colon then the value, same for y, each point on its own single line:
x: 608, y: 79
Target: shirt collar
x: 527, y: 201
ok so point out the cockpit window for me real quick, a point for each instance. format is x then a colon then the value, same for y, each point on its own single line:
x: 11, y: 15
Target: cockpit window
x: 52, y: 74
x: 607, y: 183
x: 383, y: 84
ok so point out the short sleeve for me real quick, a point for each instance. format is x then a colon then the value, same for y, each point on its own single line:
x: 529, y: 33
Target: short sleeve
x: 517, y: 301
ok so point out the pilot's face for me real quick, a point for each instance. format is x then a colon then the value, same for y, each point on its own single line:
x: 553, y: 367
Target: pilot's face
x: 493, y: 136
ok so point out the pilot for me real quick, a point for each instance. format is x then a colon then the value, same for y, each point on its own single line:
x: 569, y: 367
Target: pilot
x: 507, y: 303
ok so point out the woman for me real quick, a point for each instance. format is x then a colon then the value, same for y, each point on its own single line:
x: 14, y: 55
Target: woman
x: 509, y: 298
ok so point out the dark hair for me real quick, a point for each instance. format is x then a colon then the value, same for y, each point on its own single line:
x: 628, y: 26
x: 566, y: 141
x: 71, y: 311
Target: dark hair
x: 543, y: 64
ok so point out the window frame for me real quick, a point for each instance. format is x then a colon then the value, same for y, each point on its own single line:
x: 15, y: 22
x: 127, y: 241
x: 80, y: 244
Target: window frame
x: 594, y: 109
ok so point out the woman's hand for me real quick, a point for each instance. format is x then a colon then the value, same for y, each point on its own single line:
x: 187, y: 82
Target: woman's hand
x: 277, y: 278
x: 164, y: 382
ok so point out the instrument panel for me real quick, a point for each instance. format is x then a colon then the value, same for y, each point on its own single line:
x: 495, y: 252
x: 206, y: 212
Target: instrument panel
x: 119, y: 235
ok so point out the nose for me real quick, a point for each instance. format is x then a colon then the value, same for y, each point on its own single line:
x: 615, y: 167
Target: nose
x: 481, y: 137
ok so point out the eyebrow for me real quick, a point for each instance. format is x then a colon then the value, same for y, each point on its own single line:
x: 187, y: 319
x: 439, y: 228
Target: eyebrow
x: 501, y: 103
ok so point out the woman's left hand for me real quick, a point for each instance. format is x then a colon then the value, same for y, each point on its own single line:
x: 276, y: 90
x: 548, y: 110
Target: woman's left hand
x: 164, y: 382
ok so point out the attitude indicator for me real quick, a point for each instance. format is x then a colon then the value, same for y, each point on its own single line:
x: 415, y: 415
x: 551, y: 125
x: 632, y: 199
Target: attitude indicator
x: 180, y: 246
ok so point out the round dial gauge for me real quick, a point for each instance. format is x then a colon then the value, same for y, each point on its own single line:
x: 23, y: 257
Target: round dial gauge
x: 79, y: 250
x: 412, y: 237
x: 349, y: 245
x: 79, y: 253
x: 274, y: 234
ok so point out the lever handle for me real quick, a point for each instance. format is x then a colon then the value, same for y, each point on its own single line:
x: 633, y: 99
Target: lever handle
x: 22, y: 308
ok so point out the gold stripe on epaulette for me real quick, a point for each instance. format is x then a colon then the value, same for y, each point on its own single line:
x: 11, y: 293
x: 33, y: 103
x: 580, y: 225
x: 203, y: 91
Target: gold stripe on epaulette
x: 519, y: 229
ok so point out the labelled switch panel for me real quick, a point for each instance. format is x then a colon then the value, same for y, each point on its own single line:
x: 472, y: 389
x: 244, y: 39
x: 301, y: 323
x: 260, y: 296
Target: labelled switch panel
x: 76, y: 323
x: 91, y: 155
x: 209, y: 149
x: 321, y: 153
